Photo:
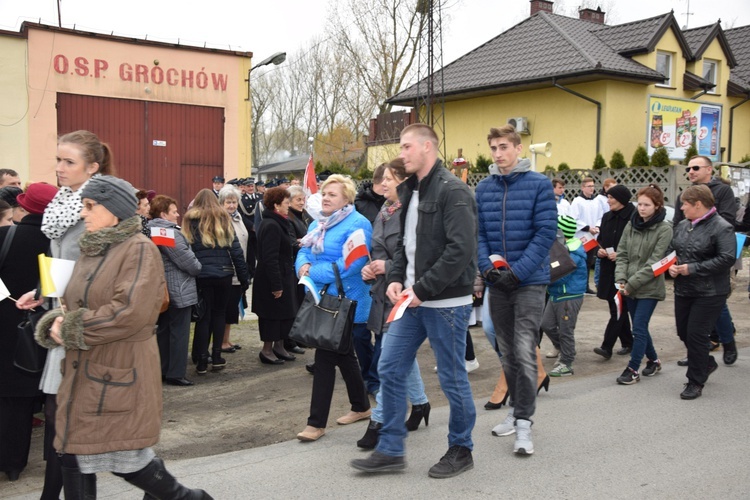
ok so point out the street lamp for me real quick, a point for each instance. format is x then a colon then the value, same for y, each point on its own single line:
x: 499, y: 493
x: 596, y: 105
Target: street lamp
x: 275, y: 59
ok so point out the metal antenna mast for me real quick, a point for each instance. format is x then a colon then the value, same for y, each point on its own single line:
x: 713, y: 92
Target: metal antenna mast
x: 430, y: 89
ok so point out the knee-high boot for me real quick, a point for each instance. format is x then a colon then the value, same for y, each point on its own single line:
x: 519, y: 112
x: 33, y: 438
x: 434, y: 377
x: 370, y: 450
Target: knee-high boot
x: 77, y: 485
x: 158, y: 483
x: 499, y: 395
x: 542, y: 379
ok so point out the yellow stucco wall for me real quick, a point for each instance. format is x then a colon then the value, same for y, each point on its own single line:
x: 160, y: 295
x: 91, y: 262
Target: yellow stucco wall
x: 85, y: 65
x: 381, y: 154
x: 569, y: 122
x: 14, y: 106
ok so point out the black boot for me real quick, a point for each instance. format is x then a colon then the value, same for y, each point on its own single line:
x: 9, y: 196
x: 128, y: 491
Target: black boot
x: 77, y: 485
x: 417, y: 413
x: 217, y: 362
x: 370, y: 440
x: 157, y: 482
x: 202, y: 367
x: 730, y: 353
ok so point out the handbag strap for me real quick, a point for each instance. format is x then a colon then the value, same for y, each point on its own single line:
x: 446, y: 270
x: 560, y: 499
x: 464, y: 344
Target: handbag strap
x: 339, y: 283
x: 6, y: 244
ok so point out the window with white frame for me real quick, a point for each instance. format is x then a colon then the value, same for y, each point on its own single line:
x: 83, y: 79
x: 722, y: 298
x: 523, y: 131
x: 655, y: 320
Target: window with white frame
x: 711, y: 72
x: 664, y: 66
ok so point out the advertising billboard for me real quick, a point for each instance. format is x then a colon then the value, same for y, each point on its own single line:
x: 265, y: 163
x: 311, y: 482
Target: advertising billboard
x: 676, y: 124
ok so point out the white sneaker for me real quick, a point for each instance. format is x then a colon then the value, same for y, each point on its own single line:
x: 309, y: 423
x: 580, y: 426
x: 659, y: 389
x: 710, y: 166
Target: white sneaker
x: 553, y: 353
x: 507, y: 427
x: 472, y: 365
x: 523, y: 444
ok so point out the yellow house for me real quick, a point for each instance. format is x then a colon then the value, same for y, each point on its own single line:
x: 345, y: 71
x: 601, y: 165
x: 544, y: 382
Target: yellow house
x: 590, y: 88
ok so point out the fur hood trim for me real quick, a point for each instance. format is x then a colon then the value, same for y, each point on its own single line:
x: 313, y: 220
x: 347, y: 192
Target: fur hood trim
x: 97, y: 242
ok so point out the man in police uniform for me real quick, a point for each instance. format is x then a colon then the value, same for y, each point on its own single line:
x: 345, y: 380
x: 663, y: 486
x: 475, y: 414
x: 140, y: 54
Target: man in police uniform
x: 218, y: 183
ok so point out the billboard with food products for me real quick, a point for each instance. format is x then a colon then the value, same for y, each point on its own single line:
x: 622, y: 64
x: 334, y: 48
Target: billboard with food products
x: 676, y: 124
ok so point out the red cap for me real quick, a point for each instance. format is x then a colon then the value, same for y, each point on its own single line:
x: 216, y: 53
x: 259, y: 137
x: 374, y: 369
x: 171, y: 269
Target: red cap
x: 37, y: 197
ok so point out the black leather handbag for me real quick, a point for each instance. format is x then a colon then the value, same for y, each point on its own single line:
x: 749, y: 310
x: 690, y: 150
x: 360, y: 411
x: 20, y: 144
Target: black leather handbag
x: 29, y: 356
x: 327, y: 325
x: 561, y: 263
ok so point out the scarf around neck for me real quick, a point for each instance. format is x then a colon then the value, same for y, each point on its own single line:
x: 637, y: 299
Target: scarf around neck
x: 98, y: 242
x: 314, y: 239
x: 389, y: 208
x: 640, y: 225
x: 63, y: 212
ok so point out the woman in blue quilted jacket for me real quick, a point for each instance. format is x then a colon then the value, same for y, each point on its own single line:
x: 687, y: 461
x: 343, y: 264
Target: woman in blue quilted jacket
x: 322, y: 246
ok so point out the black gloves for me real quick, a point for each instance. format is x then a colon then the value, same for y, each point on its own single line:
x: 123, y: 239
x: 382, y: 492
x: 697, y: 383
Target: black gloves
x: 502, y: 279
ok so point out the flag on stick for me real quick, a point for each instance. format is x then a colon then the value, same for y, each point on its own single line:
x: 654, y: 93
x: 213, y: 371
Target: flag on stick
x: 499, y: 262
x: 54, y: 275
x: 4, y: 292
x: 664, y: 264
x: 163, y: 236
x: 618, y: 304
x: 310, y: 185
x: 589, y: 243
x: 399, y: 307
x: 741, y: 237
x: 355, y: 247
x: 310, y: 285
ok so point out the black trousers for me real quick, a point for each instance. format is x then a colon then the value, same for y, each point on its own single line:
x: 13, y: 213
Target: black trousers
x: 172, y: 336
x: 215, y: 292
x: 617, y: 328
x: 53, y: 481
x: 696, y: 318
x: 15, y: 432
x: 325, y: 379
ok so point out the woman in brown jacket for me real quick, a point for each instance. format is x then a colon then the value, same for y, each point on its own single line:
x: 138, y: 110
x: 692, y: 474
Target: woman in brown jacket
x: 110, y: 407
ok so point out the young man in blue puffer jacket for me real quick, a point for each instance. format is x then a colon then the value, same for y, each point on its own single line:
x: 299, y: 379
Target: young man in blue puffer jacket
x: 565, y: 301
x: 517, y: 218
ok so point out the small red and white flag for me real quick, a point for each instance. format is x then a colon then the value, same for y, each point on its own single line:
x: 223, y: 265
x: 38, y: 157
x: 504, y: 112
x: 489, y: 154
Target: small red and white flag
x: 499, y: 262
x: 399, y: 307
x: 589, y: 243
x: 355, y: 247
x: 664, y: 264
x: 618, y: 304
x: 163, y: 236
x: 310, y: 185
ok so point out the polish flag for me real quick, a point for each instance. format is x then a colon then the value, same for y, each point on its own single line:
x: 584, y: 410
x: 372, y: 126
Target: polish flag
x: 355, y: 247
x: 589, y: 243
x: 499, y: 262
x: 399, y: 308
x: 664, y: 264
x: 310, y: 285
x: 163, y: 236
x: 310, y: 185
x: 618, y: 304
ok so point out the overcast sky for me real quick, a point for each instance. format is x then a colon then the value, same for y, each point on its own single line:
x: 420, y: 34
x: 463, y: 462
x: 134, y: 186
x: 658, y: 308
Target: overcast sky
x: 267, y: 26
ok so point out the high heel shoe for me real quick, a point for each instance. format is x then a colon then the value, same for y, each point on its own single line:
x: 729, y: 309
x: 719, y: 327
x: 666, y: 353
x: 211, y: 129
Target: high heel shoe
x: 544, y: 384
x: 370, y: 440
x: 499, y: 395
x: 417, y: 413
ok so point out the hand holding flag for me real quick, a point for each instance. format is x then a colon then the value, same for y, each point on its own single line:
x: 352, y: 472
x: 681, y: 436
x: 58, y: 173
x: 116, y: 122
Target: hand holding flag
x: 54, y: 275
x: 661, y: 267
x: 589, y: 243
x: 4, y: 292
x: 399, y: 307
x: 499, y: 262
x: 355, y: 247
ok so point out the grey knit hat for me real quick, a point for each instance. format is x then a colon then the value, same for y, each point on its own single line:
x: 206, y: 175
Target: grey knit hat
x: 117, y: 195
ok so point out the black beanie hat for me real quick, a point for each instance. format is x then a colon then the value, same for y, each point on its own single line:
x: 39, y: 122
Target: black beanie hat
x: 620, y: 193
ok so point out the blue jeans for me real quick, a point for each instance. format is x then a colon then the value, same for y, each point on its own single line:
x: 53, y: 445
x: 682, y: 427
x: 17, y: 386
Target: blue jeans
x: 365, y: 352
x: 517, y: 316
x: 487, y: 326
x: 446, y: 329
x: 414, y: 388
x: 640, y: 315
x: 725, y: 326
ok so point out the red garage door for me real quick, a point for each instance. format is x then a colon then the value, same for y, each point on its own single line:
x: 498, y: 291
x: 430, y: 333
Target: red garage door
x: 174, y: 149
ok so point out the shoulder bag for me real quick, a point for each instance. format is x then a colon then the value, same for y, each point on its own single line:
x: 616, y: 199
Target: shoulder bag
x: 328, y: 324
x: 561, y: 263
x: 28, y: 355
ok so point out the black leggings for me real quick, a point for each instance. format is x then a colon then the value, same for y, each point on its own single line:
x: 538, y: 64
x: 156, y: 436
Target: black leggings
x: 215, y: 293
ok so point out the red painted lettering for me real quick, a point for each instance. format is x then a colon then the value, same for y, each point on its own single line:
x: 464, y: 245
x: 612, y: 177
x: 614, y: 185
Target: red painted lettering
x: 187, y: 78
x: 82, y: 68
x: 157, y: 75
x: 220, y: 81
x: 126, y: 72
x: 60, y: 63
x: 172, y: 77
x: 141, y: 71
x: 100, y: 66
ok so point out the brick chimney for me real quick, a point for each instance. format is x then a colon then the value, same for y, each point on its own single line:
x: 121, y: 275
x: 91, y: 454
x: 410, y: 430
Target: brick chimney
x: 595, y: 16
x: 541, y: 6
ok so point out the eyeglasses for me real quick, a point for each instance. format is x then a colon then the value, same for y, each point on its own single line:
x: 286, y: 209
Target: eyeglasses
x: 588, y: 186
x: 694, y: 168
x: 89, y: 205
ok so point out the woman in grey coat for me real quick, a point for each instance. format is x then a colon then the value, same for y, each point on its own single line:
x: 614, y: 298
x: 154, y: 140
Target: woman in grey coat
x: 180, y: 267
x: 385, y: 231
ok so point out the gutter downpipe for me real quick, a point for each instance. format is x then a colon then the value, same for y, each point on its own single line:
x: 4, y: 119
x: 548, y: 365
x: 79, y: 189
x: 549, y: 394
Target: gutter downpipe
x: 731, y: 126
x: 598, y: 110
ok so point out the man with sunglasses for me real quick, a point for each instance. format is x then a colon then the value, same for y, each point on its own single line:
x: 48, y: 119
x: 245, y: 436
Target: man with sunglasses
x: 700, y: 171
